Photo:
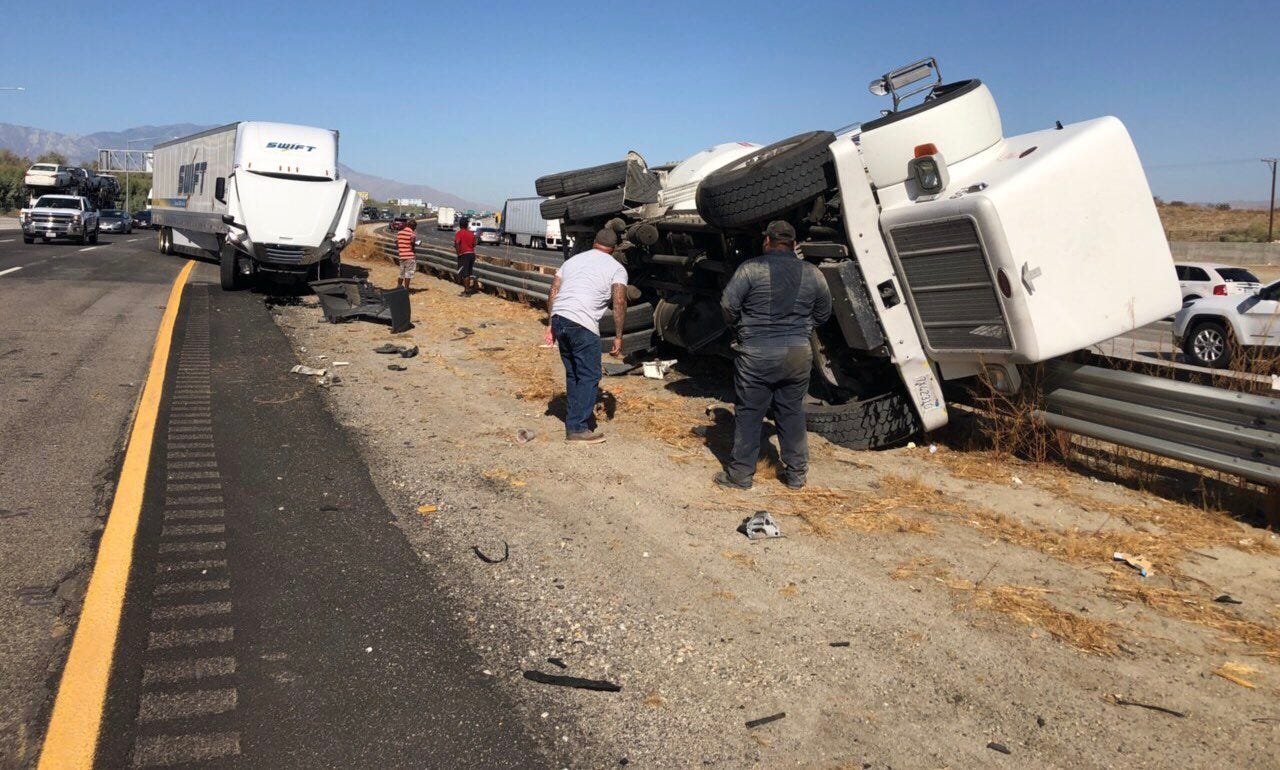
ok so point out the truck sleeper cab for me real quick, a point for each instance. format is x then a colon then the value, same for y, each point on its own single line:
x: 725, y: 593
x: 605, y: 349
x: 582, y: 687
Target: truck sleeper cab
x: 265, y: 198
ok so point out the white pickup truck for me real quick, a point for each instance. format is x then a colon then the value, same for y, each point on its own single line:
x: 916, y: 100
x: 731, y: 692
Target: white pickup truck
x: 60, y: 216
x: 950, y: 249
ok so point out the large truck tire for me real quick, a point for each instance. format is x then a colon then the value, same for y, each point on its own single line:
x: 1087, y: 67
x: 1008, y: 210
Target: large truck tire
x: 638, y: 317
x: 556, y: 208
x: 597, y: 205
x: 227, y: 273
x: 768, y: 183
x: 583, y: 180
x: 874, y: 423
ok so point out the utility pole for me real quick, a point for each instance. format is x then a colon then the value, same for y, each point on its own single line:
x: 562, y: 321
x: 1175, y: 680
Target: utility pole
x: 1271, y: 217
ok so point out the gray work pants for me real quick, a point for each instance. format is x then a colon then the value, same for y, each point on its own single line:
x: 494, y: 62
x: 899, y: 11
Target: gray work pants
x: 764, y: 377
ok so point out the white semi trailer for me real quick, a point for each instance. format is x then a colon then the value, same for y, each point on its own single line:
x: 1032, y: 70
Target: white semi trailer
x: 523, y: 225
x: 265, y: 199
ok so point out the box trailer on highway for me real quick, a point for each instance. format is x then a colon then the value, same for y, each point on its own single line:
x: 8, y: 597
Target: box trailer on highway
x: 263, y: 198
x: 523, y: 225
x: 446, y: 218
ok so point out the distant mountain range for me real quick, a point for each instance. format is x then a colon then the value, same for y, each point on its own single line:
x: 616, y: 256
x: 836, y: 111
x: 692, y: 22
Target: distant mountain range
x: 77, y: 148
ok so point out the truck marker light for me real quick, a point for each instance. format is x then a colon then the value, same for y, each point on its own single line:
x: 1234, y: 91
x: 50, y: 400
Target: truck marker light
x: 1003, y: 280
x: 928, y: 148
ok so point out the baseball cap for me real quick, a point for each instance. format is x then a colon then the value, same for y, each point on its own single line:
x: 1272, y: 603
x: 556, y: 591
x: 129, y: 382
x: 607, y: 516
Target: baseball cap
x: 779, y: 230
x: 607, y: 237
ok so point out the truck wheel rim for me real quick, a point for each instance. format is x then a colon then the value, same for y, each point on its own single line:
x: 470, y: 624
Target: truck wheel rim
x: 1208, y: 345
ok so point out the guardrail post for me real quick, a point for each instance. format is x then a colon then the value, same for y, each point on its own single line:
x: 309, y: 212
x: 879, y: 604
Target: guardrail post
x: 1272, y: 507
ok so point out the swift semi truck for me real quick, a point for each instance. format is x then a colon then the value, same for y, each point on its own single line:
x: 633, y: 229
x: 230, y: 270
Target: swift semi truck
x: 951, y: 250
x: 264, y: 199
x: 523, y: 225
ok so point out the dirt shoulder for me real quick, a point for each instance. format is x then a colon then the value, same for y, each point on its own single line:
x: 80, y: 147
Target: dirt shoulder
x: 923, y: 608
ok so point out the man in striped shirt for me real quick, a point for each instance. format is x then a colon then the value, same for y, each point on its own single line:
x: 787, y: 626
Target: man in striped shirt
x: 405, y: 242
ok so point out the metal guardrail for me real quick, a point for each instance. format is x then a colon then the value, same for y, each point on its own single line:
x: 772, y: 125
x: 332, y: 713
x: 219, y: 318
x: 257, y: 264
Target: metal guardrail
x: 1228, y: 431
x: 531, y: 285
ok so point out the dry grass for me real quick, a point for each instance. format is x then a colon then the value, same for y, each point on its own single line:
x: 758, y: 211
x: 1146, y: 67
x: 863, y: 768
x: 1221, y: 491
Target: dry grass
x: 1024, y: 605
x: 1190, y: 222
x: 1234, y: 628
x: 1235, y: 673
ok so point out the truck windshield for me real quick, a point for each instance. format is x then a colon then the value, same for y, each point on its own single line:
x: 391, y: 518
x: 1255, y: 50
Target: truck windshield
x: 58, y: 203
x: 297, y: 177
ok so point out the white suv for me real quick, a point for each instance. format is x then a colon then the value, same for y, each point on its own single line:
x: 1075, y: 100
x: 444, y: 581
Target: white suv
x: 1208, y: 279
x: 1210, y: 329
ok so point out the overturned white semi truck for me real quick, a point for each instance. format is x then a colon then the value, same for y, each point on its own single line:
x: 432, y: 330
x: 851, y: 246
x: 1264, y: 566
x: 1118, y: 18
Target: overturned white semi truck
x: 950, y: 249
x: 265, y: 199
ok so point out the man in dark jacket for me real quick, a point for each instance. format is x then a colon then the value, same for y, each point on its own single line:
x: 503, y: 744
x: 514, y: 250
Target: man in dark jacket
x: 774, y: 301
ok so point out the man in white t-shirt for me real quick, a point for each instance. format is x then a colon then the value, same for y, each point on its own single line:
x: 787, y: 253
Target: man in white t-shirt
x: 585, y: 285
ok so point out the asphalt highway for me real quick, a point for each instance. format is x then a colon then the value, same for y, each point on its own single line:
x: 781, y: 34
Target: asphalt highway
x: 78, y: 326
x: 272, y: 616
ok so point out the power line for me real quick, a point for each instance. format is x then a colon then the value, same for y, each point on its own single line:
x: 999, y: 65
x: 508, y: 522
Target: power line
x: 1197, y: 164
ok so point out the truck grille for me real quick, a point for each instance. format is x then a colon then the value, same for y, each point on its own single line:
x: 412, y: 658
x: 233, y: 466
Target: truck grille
x: 284, y: 254
x: 948, y: 279
x: 46, y: 220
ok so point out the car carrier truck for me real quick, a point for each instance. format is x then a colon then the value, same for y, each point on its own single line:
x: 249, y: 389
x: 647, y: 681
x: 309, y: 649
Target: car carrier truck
x: 951, y: 250
x: 264, y: 199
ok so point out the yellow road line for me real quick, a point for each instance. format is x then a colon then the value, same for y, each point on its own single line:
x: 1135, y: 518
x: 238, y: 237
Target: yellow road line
x: 77, y: 711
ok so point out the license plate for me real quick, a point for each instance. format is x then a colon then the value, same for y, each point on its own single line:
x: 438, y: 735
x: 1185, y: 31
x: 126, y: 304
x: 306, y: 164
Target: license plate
x: 49, y: 234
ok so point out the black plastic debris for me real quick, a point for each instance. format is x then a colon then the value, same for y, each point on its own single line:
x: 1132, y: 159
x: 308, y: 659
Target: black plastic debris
x: 599, y: 685
x: 343, y: 299
x: 557, y: 662
x: 1227, y: 599
x: 398, y: 367
x: 1000, y: 747
x: 754, y: 723
x: 506, y: 553
x: 838, y: 644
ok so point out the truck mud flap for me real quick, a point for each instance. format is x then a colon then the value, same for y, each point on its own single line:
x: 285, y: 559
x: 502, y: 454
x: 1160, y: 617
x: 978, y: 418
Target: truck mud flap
x: 343, y: 299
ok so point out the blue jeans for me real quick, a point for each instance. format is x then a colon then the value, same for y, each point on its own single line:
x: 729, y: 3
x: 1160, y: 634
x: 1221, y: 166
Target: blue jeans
x: 580, y: 352
x: 765, y: 377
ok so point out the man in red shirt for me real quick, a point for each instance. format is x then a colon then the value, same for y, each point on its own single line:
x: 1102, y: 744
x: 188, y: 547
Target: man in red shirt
x: 464, y: 245
x: 405, y: 241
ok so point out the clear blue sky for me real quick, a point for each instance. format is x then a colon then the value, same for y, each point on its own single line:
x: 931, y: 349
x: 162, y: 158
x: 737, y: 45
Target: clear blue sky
x: 479, y: 99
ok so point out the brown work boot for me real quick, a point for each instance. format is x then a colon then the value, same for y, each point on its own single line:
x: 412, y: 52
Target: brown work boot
x: 585, y: 437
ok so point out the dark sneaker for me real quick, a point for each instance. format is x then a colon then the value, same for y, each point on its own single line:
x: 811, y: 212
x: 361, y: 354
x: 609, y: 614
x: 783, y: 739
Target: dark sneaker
x: 585, y: 437
x: 793, y: 480
x: 725, y: 480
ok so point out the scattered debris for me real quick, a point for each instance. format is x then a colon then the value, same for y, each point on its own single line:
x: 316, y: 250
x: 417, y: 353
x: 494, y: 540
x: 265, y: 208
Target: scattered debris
x: 599, y: 685
x: 760, y: 526
x: 342, y: 363
x: 343, y: 299
x: 1227, y: 599
x: 557, y: 662
x: 754, y: 723
x: 1000, y: 747
x: 1017, y: 482
x: 525, y: 435
x: 1142, y: 565
x: 307, y: 370
x: 329, y: 381
x: 1234, y: 672
x: 404, y: 351
x: 933, y: 449
x: 616, y: 369
x: 465, y: 332
x: 657, y: 370
x: 506, y: 553
x: 837, y: 644
x: 398, y: 367
x: 1266, y: 720
x: 428, y: 508
x: 1116, y: 699
x: 492, y: 350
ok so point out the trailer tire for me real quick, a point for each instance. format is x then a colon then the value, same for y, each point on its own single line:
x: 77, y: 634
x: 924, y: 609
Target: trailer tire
x: 227, y: 273
x: 583, y: 180
x: 597, y: 205
x: 873, y: 423
x: 768, y: 183
x: 94, y: 239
